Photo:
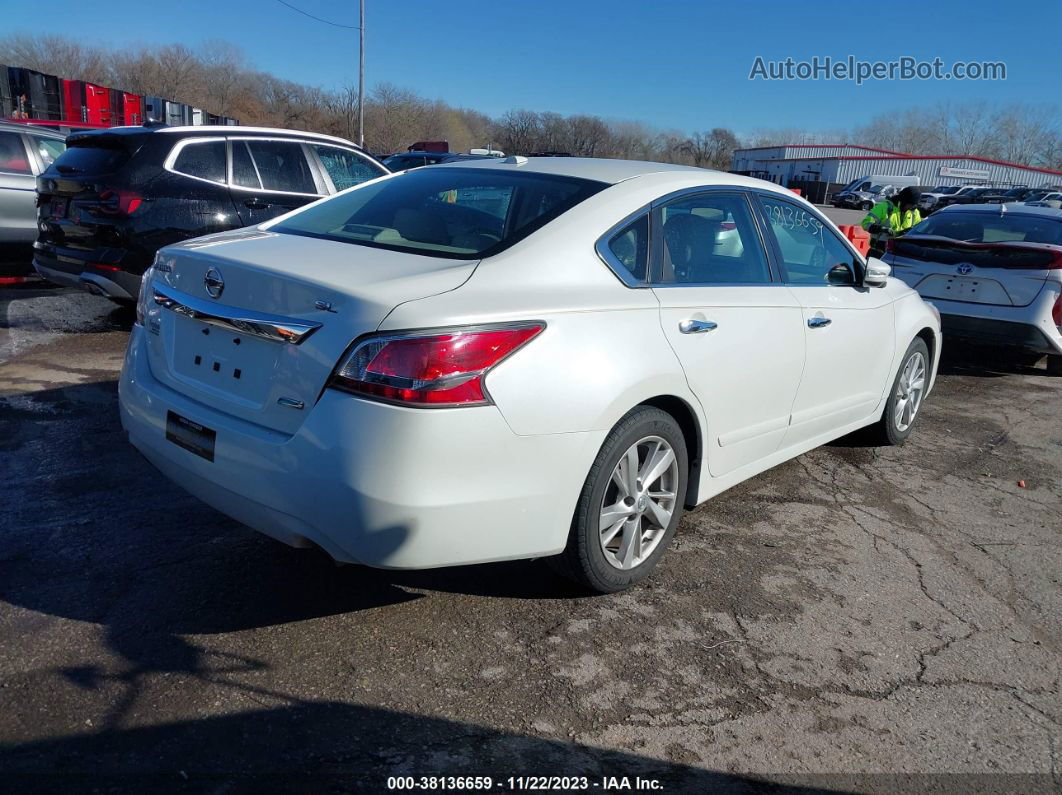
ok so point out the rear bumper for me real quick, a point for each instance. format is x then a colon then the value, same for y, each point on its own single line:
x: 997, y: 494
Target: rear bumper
x: 74, y: 272
x: 999, y: 332
x: 372, y: 483
x: 1031, y: 327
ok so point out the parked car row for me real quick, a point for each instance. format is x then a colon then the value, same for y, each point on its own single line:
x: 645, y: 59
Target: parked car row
x: 947, y: 196
x: 396, y: 373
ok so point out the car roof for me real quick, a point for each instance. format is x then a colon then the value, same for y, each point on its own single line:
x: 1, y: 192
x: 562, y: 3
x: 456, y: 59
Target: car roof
x: 31, y: 128
x: 219, y: 129
x: 603, y: 169
x: 1013, y: 208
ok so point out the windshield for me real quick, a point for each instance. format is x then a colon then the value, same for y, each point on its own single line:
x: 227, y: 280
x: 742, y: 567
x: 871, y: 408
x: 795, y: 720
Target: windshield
x: 459, y: 213
x: 992, y: 228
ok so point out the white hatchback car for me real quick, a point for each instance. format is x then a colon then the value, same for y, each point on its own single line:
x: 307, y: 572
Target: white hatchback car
x: 994, y: 271
x: 515, y: 359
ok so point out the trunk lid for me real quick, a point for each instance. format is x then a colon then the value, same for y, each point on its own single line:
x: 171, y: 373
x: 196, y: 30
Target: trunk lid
x: 1000, y: 274
x: 227, y: 350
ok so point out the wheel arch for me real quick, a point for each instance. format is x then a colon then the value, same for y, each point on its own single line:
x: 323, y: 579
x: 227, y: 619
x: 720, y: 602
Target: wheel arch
x: 686, y: 417
x: 932, y: 341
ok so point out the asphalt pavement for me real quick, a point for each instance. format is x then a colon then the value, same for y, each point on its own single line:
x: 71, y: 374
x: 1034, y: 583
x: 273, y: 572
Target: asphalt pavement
x: 858, y: 619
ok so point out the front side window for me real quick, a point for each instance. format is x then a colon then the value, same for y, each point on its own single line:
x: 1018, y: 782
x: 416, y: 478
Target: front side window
x: 811, y: 253
x: 205, y: 160
x: 630, y: 247
x: 12, y: 154
x: 345, y: 168
x: 282, y: 166
x: 459, y: 213
x: 710, y: 238
x: 47, y: 148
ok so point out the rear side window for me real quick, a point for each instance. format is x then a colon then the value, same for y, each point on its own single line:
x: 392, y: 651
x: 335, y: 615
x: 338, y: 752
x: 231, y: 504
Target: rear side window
x: 282, y: 166
x: 345, y: 168
x: 205, y: 160
x: 711, y: 238
x: 84, y: 158
x: 13, y: 158
x: 630, y: 247
x: 460, y: 213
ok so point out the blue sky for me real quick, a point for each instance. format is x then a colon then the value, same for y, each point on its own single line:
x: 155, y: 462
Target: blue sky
x: 675, y: 64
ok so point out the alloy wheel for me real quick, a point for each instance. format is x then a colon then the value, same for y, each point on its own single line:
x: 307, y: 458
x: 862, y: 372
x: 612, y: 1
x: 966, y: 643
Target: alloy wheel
x: 909, y: 391
x: 638, y: 502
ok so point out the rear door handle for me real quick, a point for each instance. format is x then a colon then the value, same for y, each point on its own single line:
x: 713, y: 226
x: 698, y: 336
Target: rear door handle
x: 256, y: 204
x: 818, y: 322
x: 697, y: 326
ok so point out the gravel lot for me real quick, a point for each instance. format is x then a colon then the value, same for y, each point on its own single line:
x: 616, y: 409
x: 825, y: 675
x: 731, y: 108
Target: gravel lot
x: 858, y: 619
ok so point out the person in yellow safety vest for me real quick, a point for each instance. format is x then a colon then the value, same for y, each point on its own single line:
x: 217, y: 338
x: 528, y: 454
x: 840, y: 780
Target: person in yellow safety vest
x: 891, y: 218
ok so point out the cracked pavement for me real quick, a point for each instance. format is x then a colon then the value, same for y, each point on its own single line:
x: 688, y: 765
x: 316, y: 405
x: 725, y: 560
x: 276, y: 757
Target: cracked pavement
x: 861, y: 618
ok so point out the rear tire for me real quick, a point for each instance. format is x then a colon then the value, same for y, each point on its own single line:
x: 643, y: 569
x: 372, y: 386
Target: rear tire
x: 1054, y: 365
x: 905, y: 396
x: 627, y: 513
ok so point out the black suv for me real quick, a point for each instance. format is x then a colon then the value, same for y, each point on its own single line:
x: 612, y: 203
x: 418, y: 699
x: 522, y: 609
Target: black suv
x: 116, y: 196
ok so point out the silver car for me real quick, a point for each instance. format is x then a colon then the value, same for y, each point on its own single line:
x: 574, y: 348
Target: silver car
x: 25, y: 151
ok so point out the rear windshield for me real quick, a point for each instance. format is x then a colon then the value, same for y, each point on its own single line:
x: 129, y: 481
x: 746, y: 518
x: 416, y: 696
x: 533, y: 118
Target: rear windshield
x: 992, y: 228
x: 459, y: 213
x: 84, y: 158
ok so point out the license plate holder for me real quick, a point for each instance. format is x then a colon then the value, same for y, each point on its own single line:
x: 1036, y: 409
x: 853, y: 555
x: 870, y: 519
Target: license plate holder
x: 190, y: 435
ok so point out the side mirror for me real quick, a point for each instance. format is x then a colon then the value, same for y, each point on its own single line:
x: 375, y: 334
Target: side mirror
x: 877, y: 273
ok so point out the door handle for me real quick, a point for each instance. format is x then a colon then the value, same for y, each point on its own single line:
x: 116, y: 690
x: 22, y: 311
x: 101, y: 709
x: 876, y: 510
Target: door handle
x: 256, y: 204
x: 818, y: 322
x: 697, y: 326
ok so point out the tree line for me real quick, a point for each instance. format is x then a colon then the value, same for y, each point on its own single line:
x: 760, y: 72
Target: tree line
x: 217, y: 77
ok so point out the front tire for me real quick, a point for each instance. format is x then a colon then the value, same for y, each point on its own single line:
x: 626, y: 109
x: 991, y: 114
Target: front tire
x: 630, y: 504
x: 905, y: 398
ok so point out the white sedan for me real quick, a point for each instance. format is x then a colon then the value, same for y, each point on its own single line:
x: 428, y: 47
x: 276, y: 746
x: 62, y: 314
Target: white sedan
x: 515, y: 359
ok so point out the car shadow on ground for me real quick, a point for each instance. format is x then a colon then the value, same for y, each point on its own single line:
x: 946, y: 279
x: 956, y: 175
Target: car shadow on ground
x: 94, y: 533
x: 322, y: 746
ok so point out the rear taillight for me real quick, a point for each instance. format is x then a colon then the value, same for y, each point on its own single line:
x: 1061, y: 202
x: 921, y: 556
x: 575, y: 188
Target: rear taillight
x: 430, y: 370
x: 1056, y: 311
x: 144, y: 296
x: 120, y: 202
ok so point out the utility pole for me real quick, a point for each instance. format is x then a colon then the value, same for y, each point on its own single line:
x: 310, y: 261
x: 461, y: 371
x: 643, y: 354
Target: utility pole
x: 361, y: 77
